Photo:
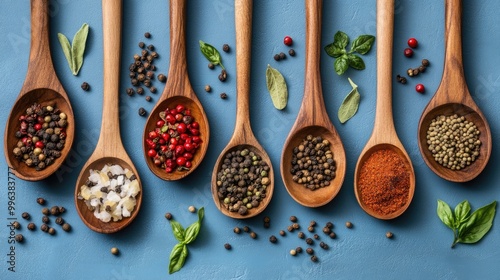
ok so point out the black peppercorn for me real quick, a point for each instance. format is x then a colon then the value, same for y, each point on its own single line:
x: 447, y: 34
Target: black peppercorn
x: 421, y: 68
x: 425, y: 62
x: 154, y: 55
x: 31, y: 226
x: 59, y: 221
x: 312, y: 223
x: 236, y: 230
x: 290, y: 228
x: 282, y: 55
x: 348, y: 224
x: 142, y: 111
x: 141, y: 45
x: 16, y: 225
x: 139, y: 90
x: 223, y: 95
x: 44, y: 228
x: 273, y: 239
x: 310, y: 251
x: 66, y: 227
x: 19, y: 238
x: 45, y: 220
x: 293, y: 219
x: 52, y: 231
x: 147, y: 35
x: 253, y: 235
x: 291, y: 52
x: 298, y: 249
x: 211, y: 65
x: 246, y: 229
x: 277, y: 57
x: 162, y: 78
x: 323, y: 245
x: 316, y: 236
x: 267, y: 225
x: 309, y: 241
x: 168, y: 216
x: 389, y: 234
x: 267, y: 219
x: 314, y: 258
x: 85, y: 86
x: 152, y: 89
x: 148, y: 98
x: 295, y: 225
x: 310, y: 228
x: 25, y: 215
x: 301, y: 235
x: 332, y: 235
x: 282, y: 233
x: 130, y: 91
x: 225, y: 48
x: 54, y: 210
x: 227, y: 246
x: 62, y: 209
x: 326, y: 230
x: 151, y: 47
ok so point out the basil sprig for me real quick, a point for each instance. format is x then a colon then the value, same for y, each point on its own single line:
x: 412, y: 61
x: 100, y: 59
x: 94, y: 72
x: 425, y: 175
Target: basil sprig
x: 467, y: 228
x: 350, y: 105
x: 211, y: 53
x: 184, y: 236
x: 74, y: 51
x: 344, y: 58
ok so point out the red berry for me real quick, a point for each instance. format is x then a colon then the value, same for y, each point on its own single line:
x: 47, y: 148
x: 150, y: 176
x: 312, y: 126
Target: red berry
x: 170, y: 118
x: 180, y: 108
x: 196, y: 139
x: 39, y: 144
x: 195, y: 125
x: 37, y: 126
x: 150, y: 143
x: 153, y: 134
x: 173, y: 141
x: 165, y: 136
x: 181, y: 161
x: 420, y: 88
x: 181, y: 128
x: 179, y: 150
x: 188, y: 156
x: 168, y: 169
x: 178, y: 117
x: 195, y: 131
x: 151, y: 153
x: 288, y: 40
x: 412, y: 43
x: 188, y: 147
x: 188, y: 164
x: 408, y: 52
x: 160, y: 123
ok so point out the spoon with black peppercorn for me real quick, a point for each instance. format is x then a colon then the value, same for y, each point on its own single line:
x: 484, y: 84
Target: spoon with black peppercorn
x: 109, y: 148
x: 312, y: 119
x: 453, y: 97
x: 243, y: 137
x: 178, y: 90
x: 384, y: 134
x: 41, y: 86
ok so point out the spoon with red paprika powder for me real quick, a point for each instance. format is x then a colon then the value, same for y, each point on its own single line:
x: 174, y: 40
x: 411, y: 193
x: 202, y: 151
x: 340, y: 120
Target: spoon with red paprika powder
x: 384, y: 180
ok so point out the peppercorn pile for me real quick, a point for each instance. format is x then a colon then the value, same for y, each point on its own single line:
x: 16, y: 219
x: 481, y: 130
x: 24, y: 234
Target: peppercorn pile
x: 453, y: 141
x: 313, y: 165
x: 174, y: 141
x: 41, y: 135
x: 242, y: 181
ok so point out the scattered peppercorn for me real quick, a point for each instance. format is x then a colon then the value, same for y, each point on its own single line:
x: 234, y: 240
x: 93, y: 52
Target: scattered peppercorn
x: 168, y: 216
x: 310, y: 229
x: 323, y: 245
x: 162, y: 78
x: 192, y: 209
x: 45, y: 220
x: 52, y: 231
x: 329, y: 225
x: 310, y: 251
x: 147, y: 35
x: 301, y: 235
x: 348, y: 224
x: 16, y: 225
x: 408, y: 52
x: 267, y: 225
x: 273, y: 239
x: 295, y: 226
x: 237, y: 230
x: 409, y: 72
x: 223, y: 75
x: 425, y: 62
x: 282, y: 233
x: 293, y: 219
x: 227, y: 246
x: 416, y: 72
x: 152, y: 89
x: 223, y: 95
x: 293, y: 252
x: 298, y: 249
x: 85, y: 86
x: 211, y: 65
x: 151, y: 47
x: 326, y: 230
x: 140, y: 91
x: 225, y: 48
x: 291, y: 52
x: 314, y: 258
x: 115, y: 251
x: 332, y: 235
x: 54, y: 210
x: 389, y: 234
x: 31, y: 226
x: 316, y: 236
x: 246, y: 229
x: 282, y: 55
x: 312, y: 223
x: 45, y: 211
x: 267, y: 219
x: 44, y: 228
x: 290, y: 228
x: 208, y: 88
x: 130, y: 91
x: 25, y: 215
x: 62, y: 209
x: 142, y: 45
x: 19, y: 238
x: 277, y: 57
x: 142, y: 111
x: 309, y: 241
x: 40, y: 201
x: 66, y: 227
x: 253, y: 235
x: 59, y: 221
x: 148, y: 98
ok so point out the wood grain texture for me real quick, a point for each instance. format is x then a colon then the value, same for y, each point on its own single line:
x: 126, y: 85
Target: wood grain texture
x: 384, y: 134
x: 313, y: 119
x: 109, y: 148
x: 243, y: 137
x: 178, y: 90
x: 42, y: 86
x: 453, y: 97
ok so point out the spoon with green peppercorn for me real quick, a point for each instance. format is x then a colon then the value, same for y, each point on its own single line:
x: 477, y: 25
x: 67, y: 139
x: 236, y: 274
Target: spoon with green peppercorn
x: 453, y: 97
x: 313, y: 120
x: 109, y: 148
x: 41, y: 86
x: 256, y: 164
x: 384, y: 134
x: 178, y: 90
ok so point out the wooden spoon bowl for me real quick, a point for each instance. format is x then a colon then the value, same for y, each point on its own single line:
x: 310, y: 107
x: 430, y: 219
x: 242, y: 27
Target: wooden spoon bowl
x: 178, y: 90
x: 243, y: 137
x: 313, y: 119
x: 453, y: 97
x: 40, y: 86
x: 109, y: 149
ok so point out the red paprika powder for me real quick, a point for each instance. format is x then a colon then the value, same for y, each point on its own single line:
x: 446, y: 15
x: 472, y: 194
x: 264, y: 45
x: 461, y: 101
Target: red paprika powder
x: 384, y: 182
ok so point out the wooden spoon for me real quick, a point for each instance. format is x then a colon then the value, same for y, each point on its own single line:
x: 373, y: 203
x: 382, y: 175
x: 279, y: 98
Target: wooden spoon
x: 384, y: 134
x: 43, y: 87
x: 109, y: 149
x: 453, y: 97
x: 313, y: 119
x: 178, y: 90
x: 243, y: 137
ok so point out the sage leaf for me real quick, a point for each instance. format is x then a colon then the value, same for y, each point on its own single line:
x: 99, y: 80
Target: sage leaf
x: 444, y: 213
x: 177, y: 258
x: 193, y: 230
x: 341, y: 64
x: 462, y: 211
x: 211, y: 53
x: 66, y: 47
x: 350, y: 105
x: 78, y: 47
x: 478, y: 224
x: 334, y: 51
x: 341, y: 40
x: 362, y: 44
x: 178, y: 230
x: 276, y: 85
x: 356, y: 62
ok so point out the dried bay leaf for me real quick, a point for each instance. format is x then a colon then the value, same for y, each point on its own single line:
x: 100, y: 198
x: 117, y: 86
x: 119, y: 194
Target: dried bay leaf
x: 350, y: 105
x: 78, y: 47
x: 277, y: 88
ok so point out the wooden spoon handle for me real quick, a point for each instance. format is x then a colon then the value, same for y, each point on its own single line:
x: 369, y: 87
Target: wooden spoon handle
x: 385, y: 29
x: 243, y: 25
x: 112, y: 31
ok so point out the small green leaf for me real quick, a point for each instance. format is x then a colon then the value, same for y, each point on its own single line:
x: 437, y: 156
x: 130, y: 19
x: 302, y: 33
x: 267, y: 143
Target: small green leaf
x: 334, y: 51
x: 478, y: 224
x: 177, y: 258
x: 66, y: 47
x: 341, y: 64
x: 192, y: 231
x: 350, y: 105
x: 461, y: 211
x: 356, y: 62
x: 341, y: 40
x: 178, y: 230
x: 78, y: 48
x: 276, y: 85
x: 444, y: 213
x: 362, y: 44
x: 211, y: 53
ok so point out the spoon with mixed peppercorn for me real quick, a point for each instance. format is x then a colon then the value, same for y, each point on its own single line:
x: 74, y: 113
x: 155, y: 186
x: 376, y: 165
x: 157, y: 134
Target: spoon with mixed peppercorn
x: 384, y: 150
x: 243, y: 176
x: 176, y: 133
x: 453, y: 97
x: 313, y: 123
x: 109, y: 149
x: 28, y: 146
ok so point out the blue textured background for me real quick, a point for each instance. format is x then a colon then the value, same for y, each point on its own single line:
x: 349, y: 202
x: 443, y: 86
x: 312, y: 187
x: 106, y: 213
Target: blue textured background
x: 421, y: 246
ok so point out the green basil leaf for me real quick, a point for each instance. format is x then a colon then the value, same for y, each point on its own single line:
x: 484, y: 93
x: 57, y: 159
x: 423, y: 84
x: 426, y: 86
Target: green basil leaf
x: 356, y: 62
x: 66, y: 47
x: 193, y: 230
x: 350, y: 105
x: 341, y: 40
x: 478, y: 224
x: 178, y: 230
x: 177, y: 258
x: 362, y: 44
x: 461, y: 211
x: 78, y: 48
x: 211, y: 53
x: 444, y: 213
x: 341, y: 64
x: 334, y: 51
x: 201, y: 214
x: 276, y: 85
